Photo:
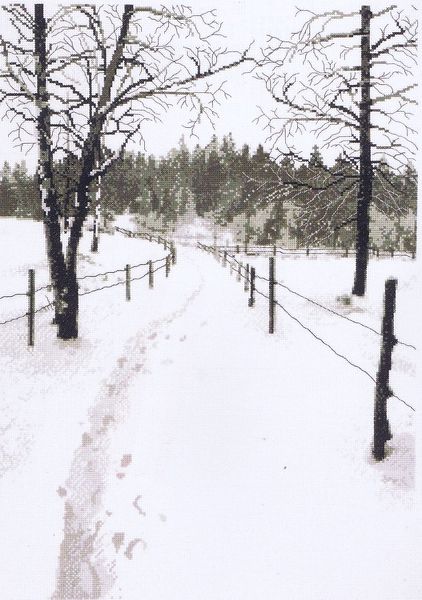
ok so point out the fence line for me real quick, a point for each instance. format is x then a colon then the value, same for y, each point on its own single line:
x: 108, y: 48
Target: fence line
x: 124, y: 281
x: 332, y: 311
x: 168, y: 258
x: 159, y: 239
x: 341, y: 252
x: 330, y: 347
x: 297, y: 320
x: 89, y: 276
x: 326, y: 308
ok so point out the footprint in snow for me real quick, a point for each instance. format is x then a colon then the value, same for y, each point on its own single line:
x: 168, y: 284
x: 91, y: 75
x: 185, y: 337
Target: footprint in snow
x: 118, y: 540
x: 86, y: 439
x: 126, y: 460
x: 131, y: 546
x: 182, y: 339
x: 135, y: 503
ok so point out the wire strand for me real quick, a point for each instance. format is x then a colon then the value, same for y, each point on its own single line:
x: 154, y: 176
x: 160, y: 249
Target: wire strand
x: 13, y: 319
x: 330, y: 310
x: 326, y: 344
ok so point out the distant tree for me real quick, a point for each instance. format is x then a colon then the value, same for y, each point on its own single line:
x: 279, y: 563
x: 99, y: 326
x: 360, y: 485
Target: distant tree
x: 409, y: 182
x: 7, y: 194
x: 213, y: 182
x: 198, y: 181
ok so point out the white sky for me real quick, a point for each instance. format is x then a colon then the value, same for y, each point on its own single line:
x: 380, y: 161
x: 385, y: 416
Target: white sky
x: 244, y: 21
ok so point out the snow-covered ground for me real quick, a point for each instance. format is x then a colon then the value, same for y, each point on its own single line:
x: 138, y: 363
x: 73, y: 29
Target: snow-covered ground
x: 178, y: 451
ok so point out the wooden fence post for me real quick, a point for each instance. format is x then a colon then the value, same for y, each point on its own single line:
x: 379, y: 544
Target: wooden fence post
x: 167, y: 265
x: 165, y: 244
x: 307, y: 251
x: 271, y: 295
x: 173, y: 254
x: 151, y: 275
x: 382, y: 389
x: 237, y: 249
x: 239, y: 271
x: 274, y: 250
x: 224, y: 258
x: 246, y: 286
x: 251, y: 300
x: 31, y: 306
x: 127, y: 269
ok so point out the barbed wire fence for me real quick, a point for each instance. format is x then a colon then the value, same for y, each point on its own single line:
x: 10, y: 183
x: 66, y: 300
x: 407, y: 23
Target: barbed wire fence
x: 248, y: 275
x: 344, y: 252
x: 153, y: 267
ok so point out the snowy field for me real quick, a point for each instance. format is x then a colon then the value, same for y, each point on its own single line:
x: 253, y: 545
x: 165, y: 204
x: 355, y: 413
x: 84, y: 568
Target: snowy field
x: 178, y: 451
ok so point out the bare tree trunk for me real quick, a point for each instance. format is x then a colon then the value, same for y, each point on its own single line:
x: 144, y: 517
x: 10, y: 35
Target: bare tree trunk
x: 45, y: 164
x: 68, y: 307
x: 68, y: 289
x: 97, y: 216
x: 97, y: 200
x: 63, y: 267
x: 365, y: 164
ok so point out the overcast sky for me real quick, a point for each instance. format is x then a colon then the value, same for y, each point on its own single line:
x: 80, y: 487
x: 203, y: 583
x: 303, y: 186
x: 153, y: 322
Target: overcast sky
x: 244, y: 21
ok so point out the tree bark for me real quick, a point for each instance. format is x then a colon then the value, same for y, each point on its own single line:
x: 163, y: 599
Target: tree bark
x: 68, y: 307
x: 97, y: 209
x: 48, y: 195
x: 365, y: 160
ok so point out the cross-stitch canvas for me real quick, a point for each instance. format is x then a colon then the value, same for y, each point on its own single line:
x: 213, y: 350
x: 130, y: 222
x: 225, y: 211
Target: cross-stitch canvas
x: 209, y: 301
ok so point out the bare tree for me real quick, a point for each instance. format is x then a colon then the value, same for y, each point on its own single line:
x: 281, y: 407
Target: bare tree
x: 89, y: 73
x: 354, y: 93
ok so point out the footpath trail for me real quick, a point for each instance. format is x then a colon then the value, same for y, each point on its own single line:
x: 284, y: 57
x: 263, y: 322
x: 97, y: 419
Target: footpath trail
x: 231, y: 464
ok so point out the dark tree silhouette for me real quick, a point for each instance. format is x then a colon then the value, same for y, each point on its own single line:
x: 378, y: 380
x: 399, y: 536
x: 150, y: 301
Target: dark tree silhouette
x: 354, y: 93
x: 90, y: 73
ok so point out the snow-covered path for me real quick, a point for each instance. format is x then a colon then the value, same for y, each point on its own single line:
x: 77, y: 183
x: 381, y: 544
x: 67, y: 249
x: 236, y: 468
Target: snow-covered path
x: 235, y: 465
x: 190, y: 455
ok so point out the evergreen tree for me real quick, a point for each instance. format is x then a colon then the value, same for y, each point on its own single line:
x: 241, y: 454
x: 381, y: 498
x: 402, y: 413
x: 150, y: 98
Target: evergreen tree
x: 7, y: 192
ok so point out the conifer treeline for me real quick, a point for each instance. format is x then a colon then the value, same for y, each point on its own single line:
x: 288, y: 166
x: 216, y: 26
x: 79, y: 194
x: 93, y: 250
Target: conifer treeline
x: 311, y: 202
x: 19, y: 195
